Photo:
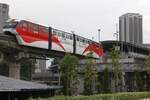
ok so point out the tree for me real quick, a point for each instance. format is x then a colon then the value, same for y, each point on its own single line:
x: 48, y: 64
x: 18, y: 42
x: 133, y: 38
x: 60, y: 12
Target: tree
x: 90, y: 75
x: 115, y: 55
x: 138, y: 81
x: 147, y: 64
x: 68, y: 68
x: 106, y: 83
x: 147, y: 67
x: 26, y: 70
x: 4, y: 69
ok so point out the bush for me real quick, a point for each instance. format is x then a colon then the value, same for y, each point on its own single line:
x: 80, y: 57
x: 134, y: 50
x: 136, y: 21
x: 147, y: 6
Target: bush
x: 115, y: 96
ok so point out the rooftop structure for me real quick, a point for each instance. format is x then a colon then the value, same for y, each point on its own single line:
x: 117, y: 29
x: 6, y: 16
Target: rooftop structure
x: 12, y: 89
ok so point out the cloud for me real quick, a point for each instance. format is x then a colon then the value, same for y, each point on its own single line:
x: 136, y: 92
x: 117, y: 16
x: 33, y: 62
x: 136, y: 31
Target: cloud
x: 142, y: 3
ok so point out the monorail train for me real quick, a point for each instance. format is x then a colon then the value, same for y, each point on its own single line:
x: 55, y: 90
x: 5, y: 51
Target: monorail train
x: 35, y: 35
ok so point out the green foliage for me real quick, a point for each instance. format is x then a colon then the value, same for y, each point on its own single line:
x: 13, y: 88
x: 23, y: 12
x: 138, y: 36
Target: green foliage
x: 69, y: 72
x: 117, y: 96
x: 115, y: 55
x: 106, y: 83
x: 147, y: 64
x: 90, y: 75
x: 4, y: 69
x: 138, y: 80
x: 26, y: 70
x: 99, y: 83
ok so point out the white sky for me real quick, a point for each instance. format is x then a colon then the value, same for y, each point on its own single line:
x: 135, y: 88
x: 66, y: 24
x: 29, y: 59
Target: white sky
x: 82, y: 16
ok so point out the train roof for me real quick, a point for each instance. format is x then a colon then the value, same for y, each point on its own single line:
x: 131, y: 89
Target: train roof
x: 75, y: 34
x: 28, y: 20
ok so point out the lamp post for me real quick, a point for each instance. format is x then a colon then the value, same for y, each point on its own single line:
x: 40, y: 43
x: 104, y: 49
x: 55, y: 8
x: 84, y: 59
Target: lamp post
x: 117, y: 33
x: 117, y: 47
x: 99, y: 30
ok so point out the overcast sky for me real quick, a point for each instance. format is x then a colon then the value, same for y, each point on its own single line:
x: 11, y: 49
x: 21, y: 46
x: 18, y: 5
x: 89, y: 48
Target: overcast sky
x: 84, y: 17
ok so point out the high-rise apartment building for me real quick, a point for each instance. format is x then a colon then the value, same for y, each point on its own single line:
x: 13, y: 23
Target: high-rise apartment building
x: 130, y: 28
x: 4, y: 10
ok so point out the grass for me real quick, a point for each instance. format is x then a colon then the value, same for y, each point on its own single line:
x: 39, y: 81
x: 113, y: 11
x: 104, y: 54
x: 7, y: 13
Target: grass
x: 114, y: 96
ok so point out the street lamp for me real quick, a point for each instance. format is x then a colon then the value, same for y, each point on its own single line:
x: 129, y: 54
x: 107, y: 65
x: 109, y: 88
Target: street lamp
x: 99, y: 30
x: 117, y: 33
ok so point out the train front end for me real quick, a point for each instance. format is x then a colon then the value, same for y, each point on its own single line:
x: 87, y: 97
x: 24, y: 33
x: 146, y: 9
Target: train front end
x: 10, y: 27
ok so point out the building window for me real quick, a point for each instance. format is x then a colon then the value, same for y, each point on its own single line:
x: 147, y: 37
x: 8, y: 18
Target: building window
x: 4, y: 6
x: 4, y: 12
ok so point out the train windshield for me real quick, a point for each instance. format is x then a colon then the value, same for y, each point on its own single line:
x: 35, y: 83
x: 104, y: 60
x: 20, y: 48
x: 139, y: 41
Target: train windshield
x: 11, y: 24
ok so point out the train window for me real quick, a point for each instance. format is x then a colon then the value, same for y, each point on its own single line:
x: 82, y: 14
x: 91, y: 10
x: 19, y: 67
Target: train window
x: 35, y: 29
x: 89, y: 41
x: 71, y: 37
x: 31, y: 27
x: 46, y: 29
x: 59, y: 34
x: 63, y: 35
x: 43, y: 29
x: 67, y: 36
x: 86, y: 41
x: 83, y: 41
x: 77, y: 38
x: 11, y: 24
x: 24, y: 26
x: 54, y: 32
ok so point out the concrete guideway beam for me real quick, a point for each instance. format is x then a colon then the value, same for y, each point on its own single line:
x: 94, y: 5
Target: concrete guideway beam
x: 13, y: 61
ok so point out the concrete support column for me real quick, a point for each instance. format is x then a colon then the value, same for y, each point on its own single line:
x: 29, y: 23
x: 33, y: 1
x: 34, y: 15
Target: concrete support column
x: 14, y: 70
x: 1, y: 57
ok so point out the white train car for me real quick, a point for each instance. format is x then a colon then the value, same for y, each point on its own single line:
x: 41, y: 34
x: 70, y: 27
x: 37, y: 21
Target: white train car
x: 61, y: 41
x: 84, y: 46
